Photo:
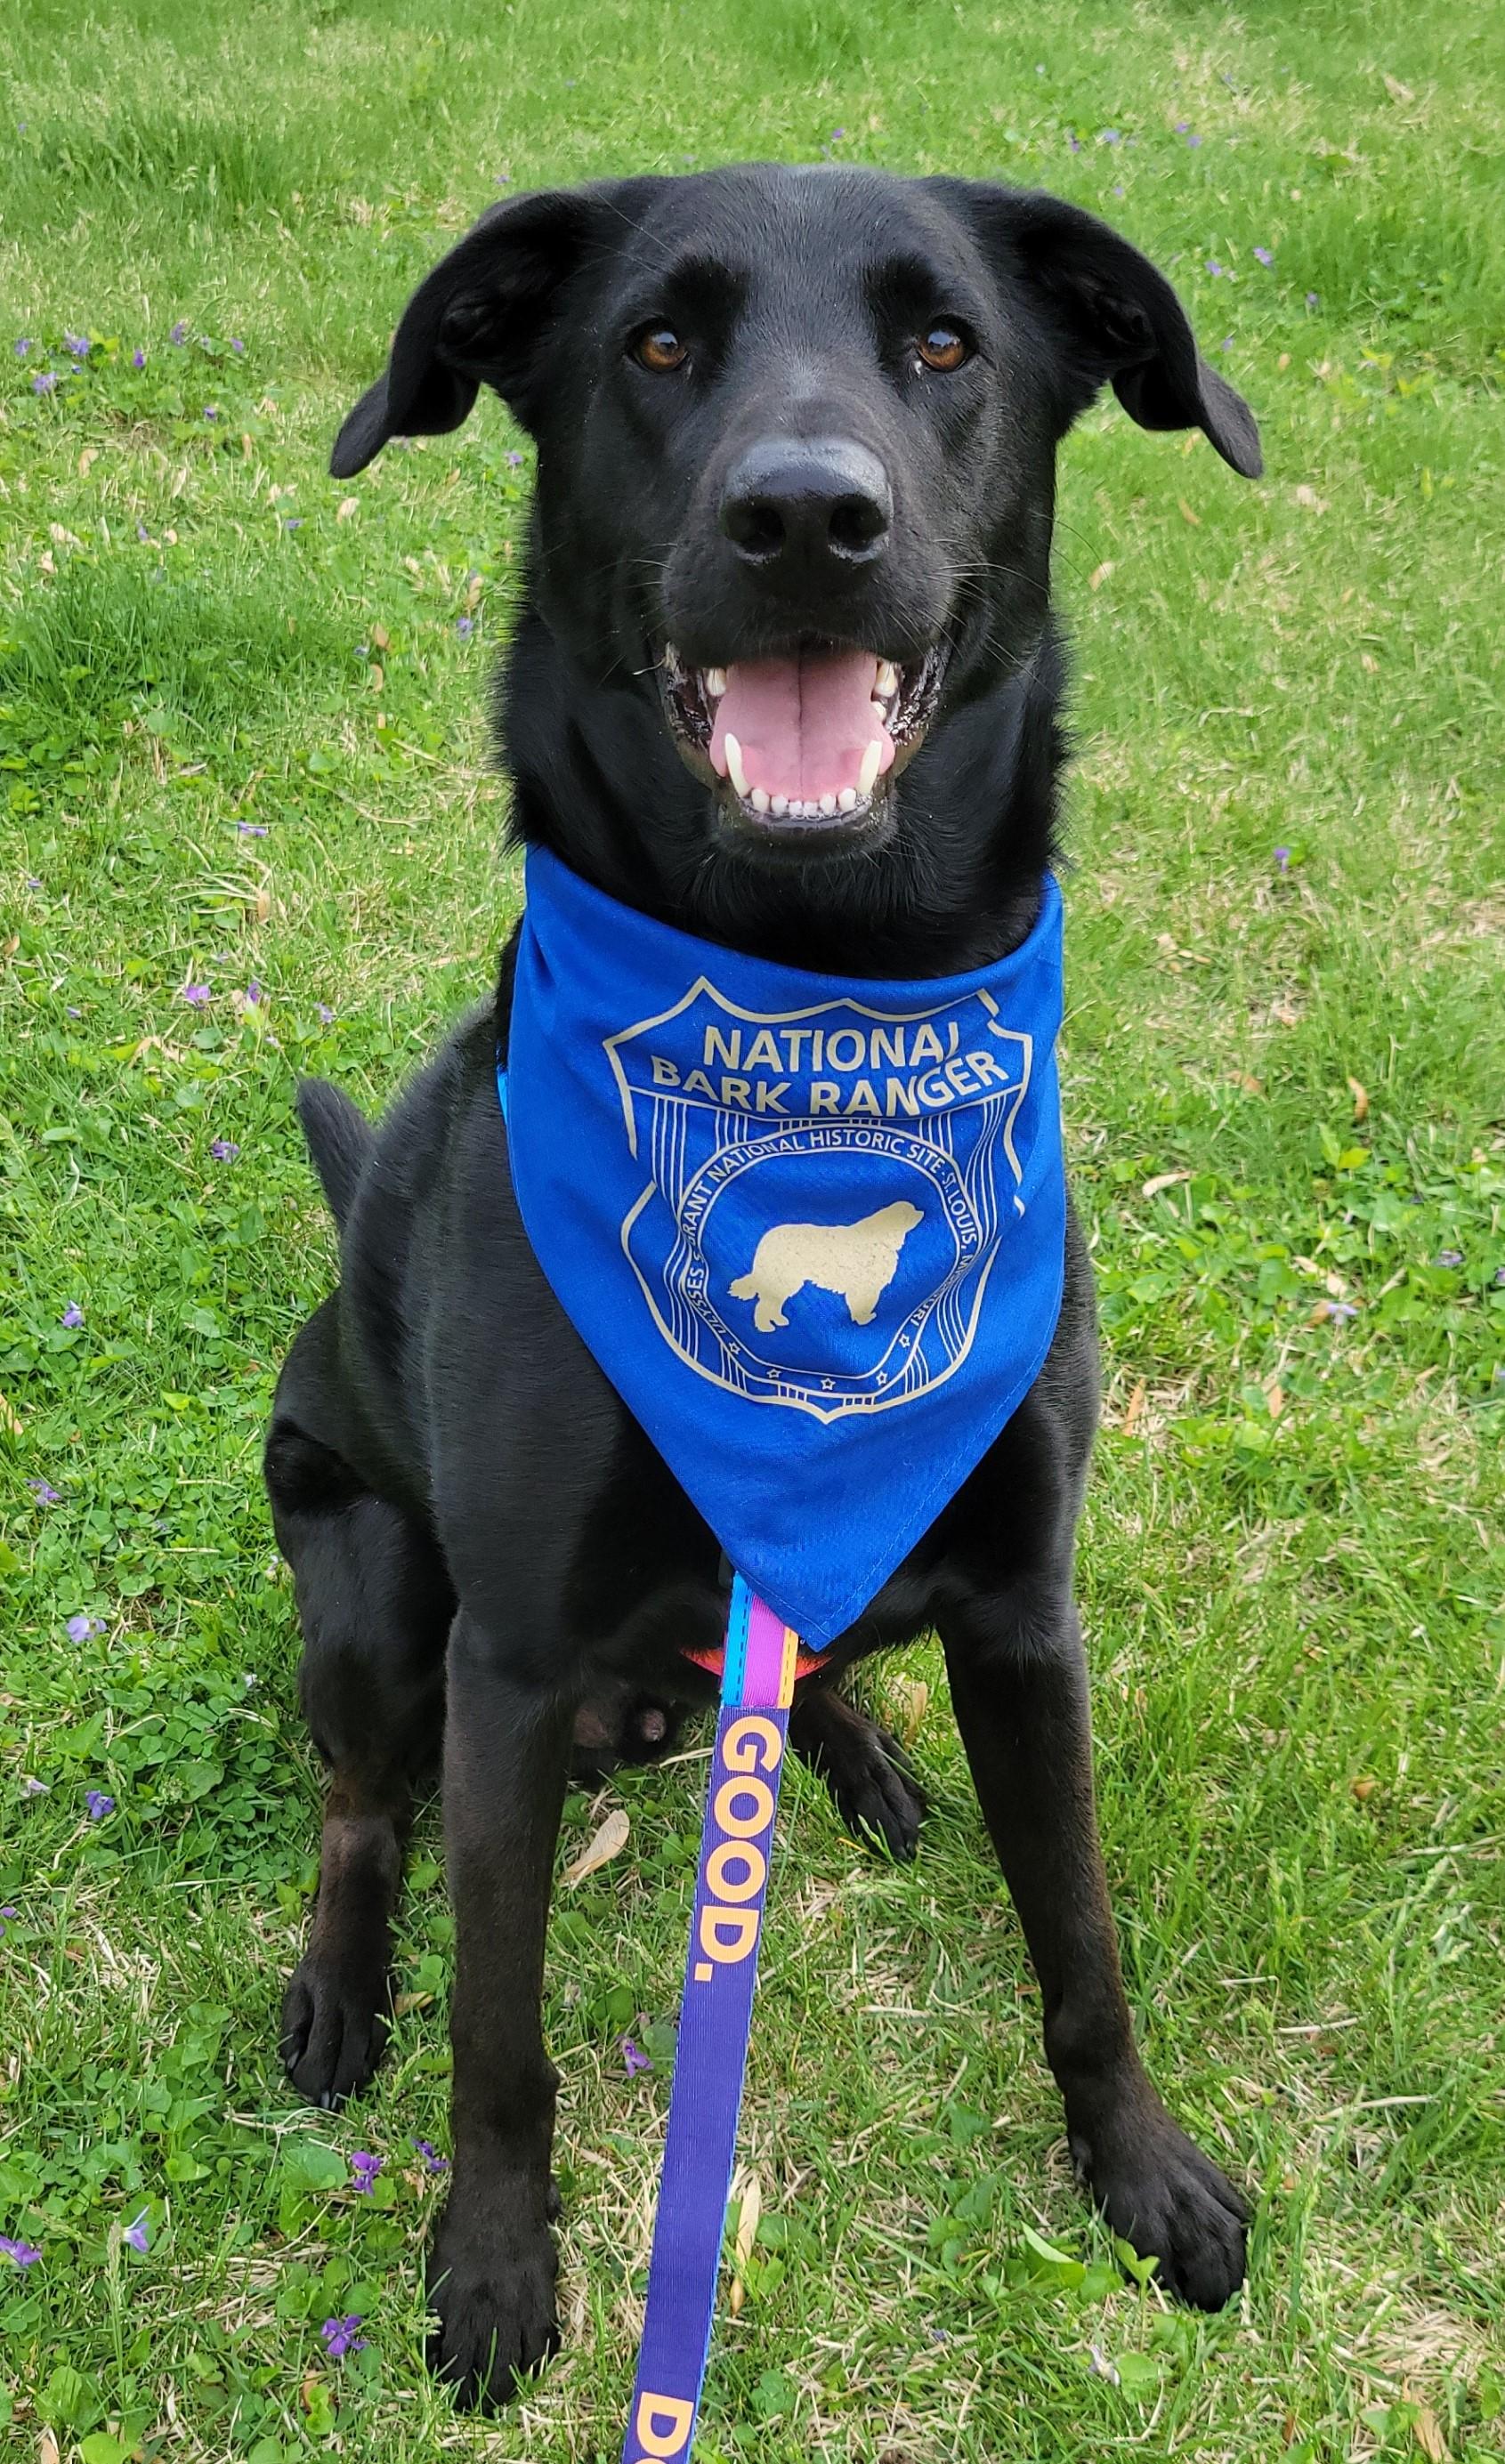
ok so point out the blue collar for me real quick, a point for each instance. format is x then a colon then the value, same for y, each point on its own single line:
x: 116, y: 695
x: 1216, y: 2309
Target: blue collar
x: 811, y: 1227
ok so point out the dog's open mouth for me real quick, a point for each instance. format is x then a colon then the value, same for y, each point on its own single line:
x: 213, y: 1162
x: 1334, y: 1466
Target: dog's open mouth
x: 806, y: 743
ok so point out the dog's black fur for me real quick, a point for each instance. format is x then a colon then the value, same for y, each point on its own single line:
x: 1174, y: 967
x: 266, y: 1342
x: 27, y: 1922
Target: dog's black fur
x: 487, y: 1551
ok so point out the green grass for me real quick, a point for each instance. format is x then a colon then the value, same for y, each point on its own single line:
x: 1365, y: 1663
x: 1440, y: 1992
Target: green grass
x: 1286, y: 1571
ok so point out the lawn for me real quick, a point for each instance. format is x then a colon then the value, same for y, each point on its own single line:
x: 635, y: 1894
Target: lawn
x: 247, y: 829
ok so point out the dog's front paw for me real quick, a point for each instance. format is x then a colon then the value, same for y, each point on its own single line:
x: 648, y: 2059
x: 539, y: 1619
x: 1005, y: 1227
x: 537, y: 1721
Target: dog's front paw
x: 334, y: 2025
x: 493, y: 2290
x: 1156, y: 2188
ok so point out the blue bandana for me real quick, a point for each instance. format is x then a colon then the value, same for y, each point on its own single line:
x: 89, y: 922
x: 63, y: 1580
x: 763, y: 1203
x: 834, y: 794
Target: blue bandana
x: 811, y: 1227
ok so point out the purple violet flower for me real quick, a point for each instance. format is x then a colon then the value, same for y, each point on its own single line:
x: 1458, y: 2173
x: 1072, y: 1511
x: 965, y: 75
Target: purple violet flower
x: 1449, y: 1257
x: 23, y: 345
x: 1313, y: 300
x: 80, y: 1628
x: 251, y: 830
x: 465, y: 626
x: 237, y: 344
x: 180, y: 333
x: 340, y: 2336
x: 1182, y: 126
x: 1264, y: 256
x: 24, y: 2253
x: 512, y: 459
x: 210, y: 411
x: 1109, y: 137
x: 1193, y: 140
x: 433, y: 2160
x: 223, y: 1150
x: 1282, y: 859
x: 44, y: 382
x: 73, y: 1315
x: 1073, y: 140
x: 137, y: 357
x: 99, y: 1804
x: 136, y: 2234
x: 31, y: 1786
x: 8, y: 1916
x: 1340, y: 1312
x: 292, y: 522
x: 365, y: 2167
x: 252, y: 994
x: 326, y: 1015
x: 1214, y: 267
x: 43, y: 1490
x: 197, y: 995
x: 836, y: 136
x: 633, y: 2057
x: 79, y: 346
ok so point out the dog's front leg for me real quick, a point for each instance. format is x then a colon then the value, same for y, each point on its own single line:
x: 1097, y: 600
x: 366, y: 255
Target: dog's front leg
x: 490, y: 2276
x: 1019, y: 1686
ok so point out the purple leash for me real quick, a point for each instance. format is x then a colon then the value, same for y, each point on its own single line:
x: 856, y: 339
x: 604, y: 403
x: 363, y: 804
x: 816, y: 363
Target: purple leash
x: 720, y: 1970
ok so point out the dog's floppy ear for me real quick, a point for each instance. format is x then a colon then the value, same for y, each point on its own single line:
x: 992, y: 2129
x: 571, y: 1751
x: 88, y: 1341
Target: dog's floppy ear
x: 479, y: 320
x: 1119, y: 319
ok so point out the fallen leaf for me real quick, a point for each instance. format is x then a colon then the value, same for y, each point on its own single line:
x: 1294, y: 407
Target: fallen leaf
x: 377, y: 674
x: 380, y: 636
x: 1250, y: 1086
x: 1399, y: 93
x: 909, y: 1698
x: 1360, y: 1096
x: 746, y: 2234
x: 1362, y: 1790
x: 1187, y: 515
x: 1425, y: 2429
x: 10, y: 1417
x: 1275, y: 1397
x: 1136, y: 1406
x: 609, y: 1842
x: 47, y: 2449
x: 406, y: 2002
x: 1163, y: 1181
x: 1095, y: 581
x: 87, y: 460
x: 1308, y: 497
x: 346, y: 506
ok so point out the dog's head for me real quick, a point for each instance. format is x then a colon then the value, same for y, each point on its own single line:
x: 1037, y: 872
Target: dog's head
x: 796, y: 438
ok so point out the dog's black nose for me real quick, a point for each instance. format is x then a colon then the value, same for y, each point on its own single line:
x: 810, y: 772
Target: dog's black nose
x: 800, y: 506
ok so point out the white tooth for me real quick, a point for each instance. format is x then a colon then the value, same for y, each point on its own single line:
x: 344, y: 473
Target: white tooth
x: 888, y: 678
x: 734, y: 763
x: 761, y: 800
x: 827, y: 803
x: 847, y: 799
x: 716, y: 682
x: 869, y: 771
x: 880, y: 712
x: 780, y: 806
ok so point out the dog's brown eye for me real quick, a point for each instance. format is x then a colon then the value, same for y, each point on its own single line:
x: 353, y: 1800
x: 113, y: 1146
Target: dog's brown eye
x: 660, y: 349
x: 943, y: 348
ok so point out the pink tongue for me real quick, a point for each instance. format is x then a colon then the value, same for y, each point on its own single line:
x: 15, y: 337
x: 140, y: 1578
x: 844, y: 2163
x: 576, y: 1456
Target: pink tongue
x: 802, y: 725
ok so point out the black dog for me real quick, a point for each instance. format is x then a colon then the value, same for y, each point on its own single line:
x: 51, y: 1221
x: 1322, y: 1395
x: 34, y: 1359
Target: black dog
x: 782, y: 415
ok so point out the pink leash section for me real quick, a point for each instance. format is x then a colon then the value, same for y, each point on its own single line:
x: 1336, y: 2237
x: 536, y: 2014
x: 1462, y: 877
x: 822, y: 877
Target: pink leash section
x: 762, y: 1660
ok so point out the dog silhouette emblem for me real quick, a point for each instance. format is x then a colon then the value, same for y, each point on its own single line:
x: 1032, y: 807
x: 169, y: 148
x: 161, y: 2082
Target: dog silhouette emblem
x: 859, y: 1261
